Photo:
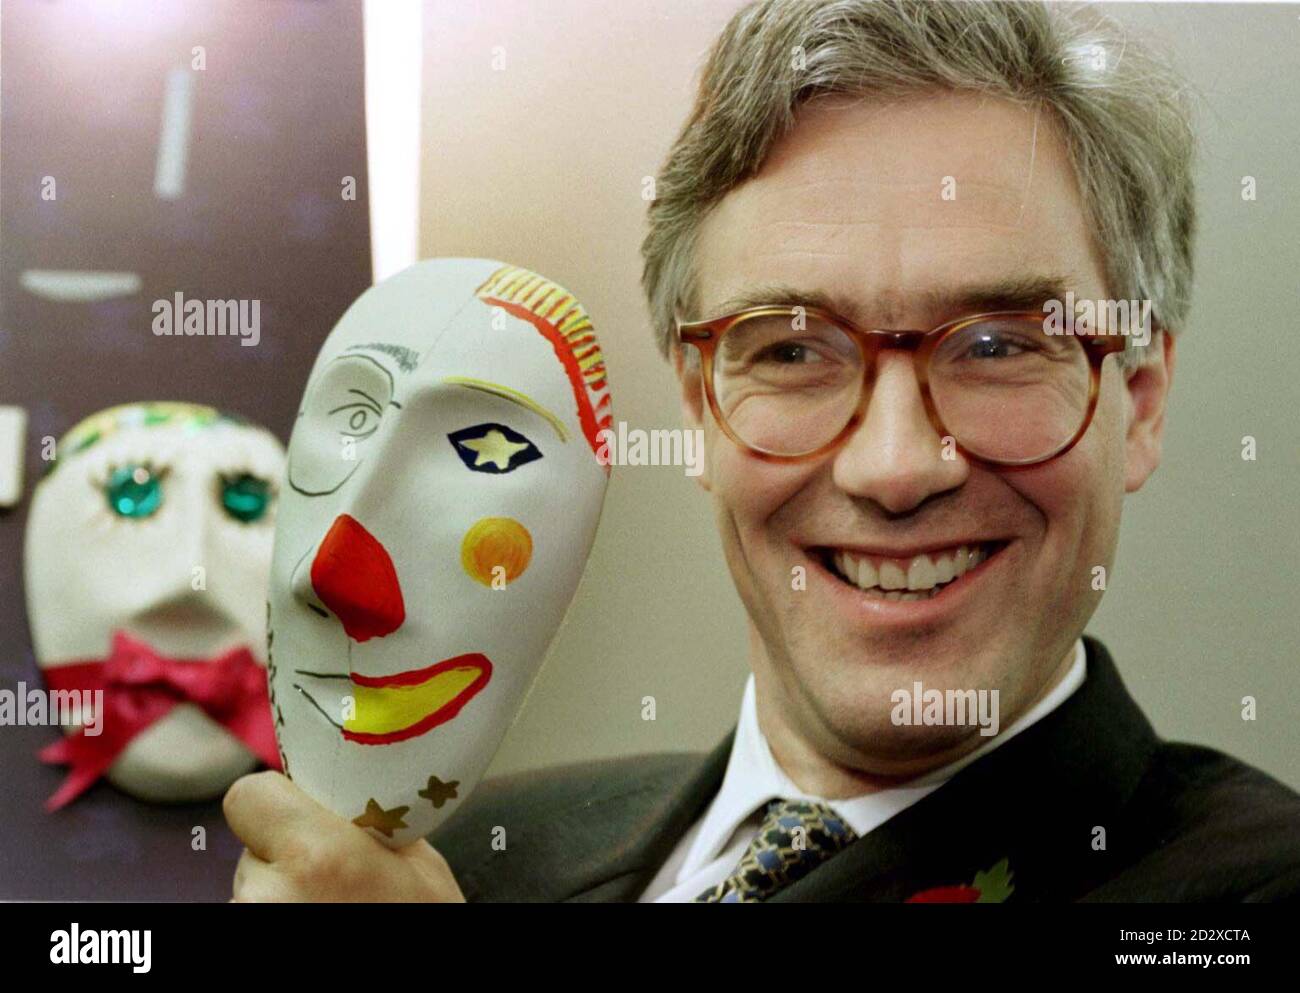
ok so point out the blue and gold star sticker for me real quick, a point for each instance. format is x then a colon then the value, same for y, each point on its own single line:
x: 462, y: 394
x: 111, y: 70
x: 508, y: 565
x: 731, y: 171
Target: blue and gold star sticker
x: 493, y: 448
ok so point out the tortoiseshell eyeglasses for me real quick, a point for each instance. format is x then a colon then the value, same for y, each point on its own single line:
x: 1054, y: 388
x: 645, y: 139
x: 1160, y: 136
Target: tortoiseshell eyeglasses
x: 790, y: 384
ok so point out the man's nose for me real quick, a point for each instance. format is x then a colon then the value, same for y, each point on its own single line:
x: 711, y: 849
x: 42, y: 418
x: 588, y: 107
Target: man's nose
x: 354, y: 577
x: 895, y: 457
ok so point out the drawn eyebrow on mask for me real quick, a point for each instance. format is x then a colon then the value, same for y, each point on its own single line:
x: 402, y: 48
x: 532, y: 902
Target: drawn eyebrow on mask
x: 514, y: 396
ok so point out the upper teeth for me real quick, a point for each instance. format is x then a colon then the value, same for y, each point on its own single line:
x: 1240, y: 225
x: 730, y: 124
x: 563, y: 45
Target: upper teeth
x: 922, y: 572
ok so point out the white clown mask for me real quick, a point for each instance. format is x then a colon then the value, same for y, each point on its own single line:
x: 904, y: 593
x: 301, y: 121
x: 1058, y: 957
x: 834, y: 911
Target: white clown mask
x: 442, y: 494
x: 156, y: 523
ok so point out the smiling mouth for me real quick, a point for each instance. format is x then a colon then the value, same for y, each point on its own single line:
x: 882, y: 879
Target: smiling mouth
x: 917, y: 577
x: 385, y: 709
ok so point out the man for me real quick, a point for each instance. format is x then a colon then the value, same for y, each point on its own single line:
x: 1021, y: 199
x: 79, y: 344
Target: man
x: 915, y: 521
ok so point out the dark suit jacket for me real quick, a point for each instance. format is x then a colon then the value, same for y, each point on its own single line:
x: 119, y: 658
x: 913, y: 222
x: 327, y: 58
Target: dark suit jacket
x: 1182, y: 823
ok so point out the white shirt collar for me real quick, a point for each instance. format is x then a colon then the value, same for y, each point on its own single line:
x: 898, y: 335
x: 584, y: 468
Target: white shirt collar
x: 753, y: 776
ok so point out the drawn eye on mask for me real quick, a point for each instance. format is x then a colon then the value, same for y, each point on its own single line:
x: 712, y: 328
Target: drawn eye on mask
x: 341, y: 414
x: 359, y: 419
x: 493, y: 448
x: 134, y: 491
x: 245, y: 497
x: 137, y: 490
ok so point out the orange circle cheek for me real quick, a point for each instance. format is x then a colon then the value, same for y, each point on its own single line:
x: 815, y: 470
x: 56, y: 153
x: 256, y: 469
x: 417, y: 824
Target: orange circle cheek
x: 496, y: 542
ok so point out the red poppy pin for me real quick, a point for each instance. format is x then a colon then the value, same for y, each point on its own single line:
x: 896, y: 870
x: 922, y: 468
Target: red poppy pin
x: 991, y: 886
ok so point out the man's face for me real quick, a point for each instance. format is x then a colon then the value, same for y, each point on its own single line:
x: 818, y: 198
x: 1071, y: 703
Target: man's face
x: 850, y: 206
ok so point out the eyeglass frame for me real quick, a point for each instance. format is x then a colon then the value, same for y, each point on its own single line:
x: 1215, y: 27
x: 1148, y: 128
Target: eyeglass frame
x: 704, y: 335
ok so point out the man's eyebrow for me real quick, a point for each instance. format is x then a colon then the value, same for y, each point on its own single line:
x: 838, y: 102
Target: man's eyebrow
x: 514, y: 396
x: 1027, y: 292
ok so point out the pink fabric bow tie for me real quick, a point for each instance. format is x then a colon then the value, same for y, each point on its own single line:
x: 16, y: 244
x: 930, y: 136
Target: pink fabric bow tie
x: 141, y: 687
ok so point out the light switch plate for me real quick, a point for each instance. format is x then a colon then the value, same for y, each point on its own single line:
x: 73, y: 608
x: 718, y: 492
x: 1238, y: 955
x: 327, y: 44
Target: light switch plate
x: 13, y: 437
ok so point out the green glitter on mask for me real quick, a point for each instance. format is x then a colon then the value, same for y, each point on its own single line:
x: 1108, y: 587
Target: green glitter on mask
x: 245, y: 498
x: 134, y: 491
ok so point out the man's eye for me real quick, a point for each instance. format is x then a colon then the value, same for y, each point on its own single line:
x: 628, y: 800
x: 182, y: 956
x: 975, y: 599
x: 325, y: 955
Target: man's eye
x: 789, y: 353
x: 997, y: 346
x: 493, y: 448
x: 134, y: 491
x: 245, y: 497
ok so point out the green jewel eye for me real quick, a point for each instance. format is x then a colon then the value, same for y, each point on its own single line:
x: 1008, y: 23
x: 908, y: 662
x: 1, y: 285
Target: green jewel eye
x: 245, y: 498
x: 134, y: 491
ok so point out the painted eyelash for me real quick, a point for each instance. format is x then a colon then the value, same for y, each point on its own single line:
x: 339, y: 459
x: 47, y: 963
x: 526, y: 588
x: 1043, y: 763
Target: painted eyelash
x: 101, y: 475
x: 237, y: 469
x: 104, y: 460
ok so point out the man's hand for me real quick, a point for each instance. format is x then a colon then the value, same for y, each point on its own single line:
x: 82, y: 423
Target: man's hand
x: 297, y: 851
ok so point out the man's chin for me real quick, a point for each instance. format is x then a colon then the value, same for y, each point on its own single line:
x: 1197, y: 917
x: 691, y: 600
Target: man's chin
x: 909, y: 709
x: 883, y: 748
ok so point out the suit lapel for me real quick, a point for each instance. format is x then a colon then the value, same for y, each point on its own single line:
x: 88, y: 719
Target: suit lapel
x: 644, y: 826
x: 1035, y: 802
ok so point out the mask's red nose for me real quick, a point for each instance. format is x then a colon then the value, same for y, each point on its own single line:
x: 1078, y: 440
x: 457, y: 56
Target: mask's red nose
x: 355, y: 579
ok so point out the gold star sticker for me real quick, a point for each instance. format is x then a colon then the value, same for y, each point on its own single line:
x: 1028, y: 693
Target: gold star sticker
x: 438, y: 792
x: 383, y: 821
x: 494, y: 447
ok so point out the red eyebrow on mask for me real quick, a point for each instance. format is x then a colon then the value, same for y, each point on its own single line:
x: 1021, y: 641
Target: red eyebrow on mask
x: 562, y: 321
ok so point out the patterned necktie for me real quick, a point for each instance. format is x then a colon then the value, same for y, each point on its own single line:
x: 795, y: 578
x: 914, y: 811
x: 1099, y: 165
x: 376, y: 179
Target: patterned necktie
x: 795, y: 838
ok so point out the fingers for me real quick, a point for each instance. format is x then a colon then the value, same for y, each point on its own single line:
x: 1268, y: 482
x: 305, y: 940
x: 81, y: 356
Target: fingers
x: 272, y: 816
x: 257, y: 881
x: 349, y: 867
x: 429, y: 866
x: 299, y: 851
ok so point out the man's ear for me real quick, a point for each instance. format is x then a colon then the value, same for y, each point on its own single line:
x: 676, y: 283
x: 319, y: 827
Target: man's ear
x: 691, y: 388
x: 1147, y: 390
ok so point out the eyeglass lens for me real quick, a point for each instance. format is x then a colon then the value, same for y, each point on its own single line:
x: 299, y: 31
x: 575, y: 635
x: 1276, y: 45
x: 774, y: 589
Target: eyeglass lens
x: 1006, y: 388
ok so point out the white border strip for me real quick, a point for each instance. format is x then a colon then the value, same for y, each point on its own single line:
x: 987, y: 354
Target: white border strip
x: 393, y: 53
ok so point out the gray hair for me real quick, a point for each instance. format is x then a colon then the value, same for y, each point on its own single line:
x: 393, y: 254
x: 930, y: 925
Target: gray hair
x: 1124, y: 113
